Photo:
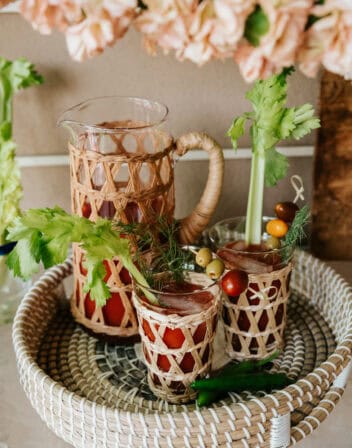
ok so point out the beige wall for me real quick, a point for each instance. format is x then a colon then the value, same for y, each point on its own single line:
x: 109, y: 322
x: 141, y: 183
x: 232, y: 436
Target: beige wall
x: 204, y: 98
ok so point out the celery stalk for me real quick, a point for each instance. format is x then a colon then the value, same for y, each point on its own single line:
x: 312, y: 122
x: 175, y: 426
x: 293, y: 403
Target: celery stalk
x: 255, y: 199
x: 271, y: 121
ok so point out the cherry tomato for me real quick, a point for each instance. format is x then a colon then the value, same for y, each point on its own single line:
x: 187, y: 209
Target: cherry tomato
x: 173, y: 338
x: 286, y: 211
x: 234, y: 282
x: 89, y: 306
x: 277, y: 228
x: 163, y: 363
x: 187, y: 363
x: 114, y: 310
x: 86, y: 210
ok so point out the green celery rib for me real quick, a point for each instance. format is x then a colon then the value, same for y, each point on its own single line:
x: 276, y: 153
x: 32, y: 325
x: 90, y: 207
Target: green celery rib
x: 255, y: 199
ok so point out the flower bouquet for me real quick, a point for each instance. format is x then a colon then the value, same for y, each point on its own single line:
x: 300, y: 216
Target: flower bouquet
x: 262, y: 36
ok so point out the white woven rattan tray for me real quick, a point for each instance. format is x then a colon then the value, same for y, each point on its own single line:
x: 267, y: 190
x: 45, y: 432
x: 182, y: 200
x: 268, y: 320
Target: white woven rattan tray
x: 94, y: 394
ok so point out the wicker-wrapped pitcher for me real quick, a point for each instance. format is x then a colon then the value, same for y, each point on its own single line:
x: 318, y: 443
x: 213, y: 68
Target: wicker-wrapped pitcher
x: 122, y: 168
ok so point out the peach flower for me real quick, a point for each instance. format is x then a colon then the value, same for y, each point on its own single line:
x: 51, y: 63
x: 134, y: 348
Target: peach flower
x: 165, y: 23
x: 198, y: 32
x: 329, y: 40
x: 216, y: 28
x: 105, y: 22
x: 45, y: 15
x: 278, y: 48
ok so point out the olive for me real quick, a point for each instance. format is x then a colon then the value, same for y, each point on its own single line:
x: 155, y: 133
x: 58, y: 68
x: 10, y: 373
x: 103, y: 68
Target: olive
x: 215, y: 269
x: 204, y: 257
x: 286, y: 211
x: 277, y: 228
x: 273, y: 243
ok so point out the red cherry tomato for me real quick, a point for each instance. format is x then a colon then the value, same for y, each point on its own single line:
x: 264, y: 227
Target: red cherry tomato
x: 163, y: 363
x: 173, y: 338
x: 86, y: 210
x: 234, y: 282
x: 89, y: 306
x: 114, y: 310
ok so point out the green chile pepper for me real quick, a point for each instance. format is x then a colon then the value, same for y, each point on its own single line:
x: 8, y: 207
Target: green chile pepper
x: 244, y: 381
x: 206, y: 397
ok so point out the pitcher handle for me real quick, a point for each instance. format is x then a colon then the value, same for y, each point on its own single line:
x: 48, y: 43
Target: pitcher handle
x: 193, y: 225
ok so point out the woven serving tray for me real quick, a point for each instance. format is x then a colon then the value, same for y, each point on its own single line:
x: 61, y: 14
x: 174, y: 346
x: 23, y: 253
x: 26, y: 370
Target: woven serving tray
x: 94, y: 394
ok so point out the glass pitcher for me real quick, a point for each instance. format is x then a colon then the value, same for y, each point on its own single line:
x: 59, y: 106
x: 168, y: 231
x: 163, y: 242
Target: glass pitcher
x: 122, y: 168
x: 122, y: 163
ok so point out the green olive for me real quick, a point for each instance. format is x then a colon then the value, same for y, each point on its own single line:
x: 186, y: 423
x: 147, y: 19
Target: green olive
x: 215, y: 269
x: 204, y: 257
x: 273, y: 243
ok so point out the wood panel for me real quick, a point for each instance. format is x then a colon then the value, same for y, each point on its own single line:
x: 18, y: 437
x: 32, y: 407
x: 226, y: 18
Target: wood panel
x: 332, y: 198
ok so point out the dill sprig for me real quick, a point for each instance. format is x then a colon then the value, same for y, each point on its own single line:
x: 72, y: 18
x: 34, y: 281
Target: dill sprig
x: 158, y: 250
x: 170, y: 256
x: 296, y: 232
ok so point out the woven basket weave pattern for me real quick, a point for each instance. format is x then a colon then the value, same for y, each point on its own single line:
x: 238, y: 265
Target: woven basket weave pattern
x: 170, y: 381
x: 96, y: 321
x: 84, y: 423
x: 255, y: 323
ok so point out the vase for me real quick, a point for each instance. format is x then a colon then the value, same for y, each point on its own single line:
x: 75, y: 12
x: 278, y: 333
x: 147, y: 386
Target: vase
x: 177, y: 336
x: 122, y: 168
x: 255, y: 320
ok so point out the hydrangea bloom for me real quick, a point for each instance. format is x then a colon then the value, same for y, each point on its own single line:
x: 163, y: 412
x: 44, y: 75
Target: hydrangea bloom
x: 279, y: 46
x: 329, y: 40
x: 198, y: 32
x: 90, y: 25
x: 105, y: 22
x: 45, y: 15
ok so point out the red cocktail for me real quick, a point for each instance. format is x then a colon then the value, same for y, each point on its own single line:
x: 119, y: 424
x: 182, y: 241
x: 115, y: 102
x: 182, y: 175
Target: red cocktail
x: 255, y: 319
x: 177, y: 335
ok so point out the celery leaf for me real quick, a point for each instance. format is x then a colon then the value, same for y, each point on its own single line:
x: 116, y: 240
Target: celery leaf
x: 237, y: 129
x: 276, y: 166
x: 45, y: 235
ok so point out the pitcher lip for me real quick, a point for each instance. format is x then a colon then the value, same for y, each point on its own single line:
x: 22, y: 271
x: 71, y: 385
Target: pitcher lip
x: 62, y: 120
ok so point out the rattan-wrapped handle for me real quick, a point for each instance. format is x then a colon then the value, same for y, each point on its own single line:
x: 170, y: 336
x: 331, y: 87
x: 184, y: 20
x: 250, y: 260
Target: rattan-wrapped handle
x: 193, y: 225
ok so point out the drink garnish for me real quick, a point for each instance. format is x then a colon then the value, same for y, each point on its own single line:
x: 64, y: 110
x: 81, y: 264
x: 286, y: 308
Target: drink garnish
x: 271, y: 122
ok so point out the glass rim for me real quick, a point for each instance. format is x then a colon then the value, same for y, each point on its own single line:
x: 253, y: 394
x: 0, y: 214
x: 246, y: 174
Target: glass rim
x: 246, y: 252
x: 175, y: 294
x: 62, y: 120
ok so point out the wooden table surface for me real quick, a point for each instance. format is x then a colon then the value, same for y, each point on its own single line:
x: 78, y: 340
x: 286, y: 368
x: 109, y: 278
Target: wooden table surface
x: 21, y: 427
